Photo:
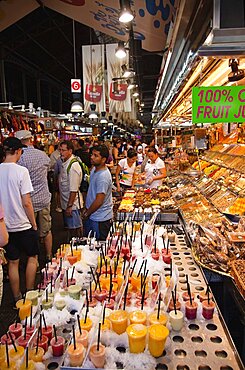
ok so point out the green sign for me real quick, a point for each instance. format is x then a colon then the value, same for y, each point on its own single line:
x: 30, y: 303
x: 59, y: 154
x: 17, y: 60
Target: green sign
x: 218, y: 104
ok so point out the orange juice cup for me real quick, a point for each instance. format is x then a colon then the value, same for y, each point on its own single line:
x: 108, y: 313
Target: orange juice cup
x: 36, y: 356
x: 104, y: 280
x: 82, y: 338
x: 86, y: 325
x: 154, y: 320
x: 114, y: 286
x: 15, y: 356
x: 76, y: 355
x: 12, y: 365
x: 78, y: 254
x: 24, y: 308
x: 2, y: 353
x: 119, y: 321
x: 135, y: 281
x: 106, y: 325
x: 120, y: 280
x: 137, y: 337
x: 72, y: 259
x: 157, y: 339
x: 31, y: 365
x: 97, y: 356
x: 138, y: 317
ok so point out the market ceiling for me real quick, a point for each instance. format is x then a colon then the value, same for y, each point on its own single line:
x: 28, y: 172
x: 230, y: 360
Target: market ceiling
x: 38, y: 33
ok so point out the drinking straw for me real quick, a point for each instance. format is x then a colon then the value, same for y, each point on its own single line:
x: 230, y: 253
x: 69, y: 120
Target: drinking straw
x: 79, y: 324
x: 98, y: 342
x: 31, y: 318
x: 7, y: 353
x: 141, y: 283
x: 155, y: 245
x: 146, y: 238
x: 103, y: 317
x: 86, y: 314
x: 145, y: 267
x: 174, y: 302
x: 46, y: 272
x: 110, y: 291
x: 131, y: 272
x: 86, y: 292
x: 90, y: 291
x: 118, y: 237
x: 24, y: 298
x: 124, y: 264
x: 67, y: 281
x: 51, y: 286
x: 105, y: 268
x: 16, y: 320
x: 46, y: 292
x: 145, y: 276
x: 143, y: 298
x: 25, y: 326
x: 44, y: 321
x: 163, y: 242
x: 208, y: 298
x: 141, y: 242
x: 187, y: 280
x: 208, y: 289
x: 73, y: 269
x: 100, y: 264
x: 134, y: 235
x: 40, y: 327
x: 126, y: 239
x: 159, y: 306
x: 37, y: 340
x: 60, y: 263
x: 98, y: 281
x: 189, y: 292
x: 74, y: 337
x: 12, y: 340
x: 167, y: 246
x: 171, y: 267
x: 141, y: 268
x: 27, y: 357
x: 71, y: 249
x: 125, y: 297
x: 175, y: 292
x: 93, y: 275
x: 55, y: 333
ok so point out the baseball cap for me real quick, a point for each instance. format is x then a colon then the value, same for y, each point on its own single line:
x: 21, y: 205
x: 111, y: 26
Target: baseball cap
x: 23, y: 134
x: 13, y: 143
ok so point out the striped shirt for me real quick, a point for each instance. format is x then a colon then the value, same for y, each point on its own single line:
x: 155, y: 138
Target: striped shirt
x: 37, y: 163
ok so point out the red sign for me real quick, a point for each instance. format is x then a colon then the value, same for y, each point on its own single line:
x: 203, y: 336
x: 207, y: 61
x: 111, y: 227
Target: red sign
x: 93, y: 93
x: 120, y: 94
x: 75, y: 85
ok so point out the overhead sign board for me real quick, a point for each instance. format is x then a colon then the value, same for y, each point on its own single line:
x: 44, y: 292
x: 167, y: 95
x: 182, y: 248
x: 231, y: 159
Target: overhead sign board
x: 75, y: 85
x: 218, y: 104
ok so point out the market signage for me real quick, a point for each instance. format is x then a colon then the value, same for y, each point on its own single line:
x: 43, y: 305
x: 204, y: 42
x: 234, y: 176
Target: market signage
x: 75, y: 85
x: 218, y: 104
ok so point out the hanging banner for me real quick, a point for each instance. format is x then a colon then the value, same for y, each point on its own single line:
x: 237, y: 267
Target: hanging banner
x: 93, y: 77
x: 151, y: 24
x: 215, y: 104
x: 119, y: 95
x: 12, y: 11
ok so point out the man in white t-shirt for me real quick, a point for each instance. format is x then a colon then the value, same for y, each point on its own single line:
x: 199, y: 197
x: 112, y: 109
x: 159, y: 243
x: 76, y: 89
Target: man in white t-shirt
x: 15, y: 197
x: 71, y: 199
x: 155, y: 169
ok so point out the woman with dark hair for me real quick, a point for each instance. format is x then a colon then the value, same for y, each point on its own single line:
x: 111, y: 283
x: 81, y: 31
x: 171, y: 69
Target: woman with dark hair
x: 116, y: 150
x: 126, y: 167
x: 155, y: 169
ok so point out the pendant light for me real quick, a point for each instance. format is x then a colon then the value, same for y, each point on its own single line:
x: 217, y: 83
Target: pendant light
x: 120, y: 50
x: 126, y: 14
x: 76, y: 106
x: 93, y: 114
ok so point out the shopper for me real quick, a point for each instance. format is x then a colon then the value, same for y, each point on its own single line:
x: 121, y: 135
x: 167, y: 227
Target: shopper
x: 38, y: 163
x: 4, y: 237
x: 70, y: 178
x: 155, y: 169
x: 126, y: 168
x: 116, y: 151
x: 98, y: 212
x: 15, y: 197
x: 146, y: 159
x: 140, y: 154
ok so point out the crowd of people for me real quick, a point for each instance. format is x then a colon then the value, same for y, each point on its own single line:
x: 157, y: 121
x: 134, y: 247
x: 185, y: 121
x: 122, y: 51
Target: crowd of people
x: 78, y: 176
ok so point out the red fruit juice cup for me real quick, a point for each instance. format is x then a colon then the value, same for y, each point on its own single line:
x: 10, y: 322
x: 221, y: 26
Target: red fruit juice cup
x: 110, y: 304
x: 113, y: 295
x: 48, y: 332
x: 57, y: 346
x: 72, y: 259
x: 191, y: 310
x: 43, y: 343
x: 93, y: 303
x: 16, y: 329
x: 6, y: 338
x: 23, y: 341
x: 30, y: 330
x: 208, y: 309
x: 100, y: 295
x: 166, y: 258
x: 186, y: 296
x: 155, y: 256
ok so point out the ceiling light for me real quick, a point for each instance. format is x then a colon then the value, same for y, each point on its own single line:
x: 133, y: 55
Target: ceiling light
x: 110, y: 122
x: 135, y: 94
x: 142, y: 104
x: 93, y: 114
x: 236, y: 74
x: 103, y: 117
x: 137, y: 100
x: 126, y: 14
x: 76, y: 107
x: 127, y: 72
x: 120, y: 50
x: 131, y: 85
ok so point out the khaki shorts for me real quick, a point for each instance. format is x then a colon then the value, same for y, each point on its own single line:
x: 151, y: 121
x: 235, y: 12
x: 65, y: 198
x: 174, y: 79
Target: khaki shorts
x: 43, y: 221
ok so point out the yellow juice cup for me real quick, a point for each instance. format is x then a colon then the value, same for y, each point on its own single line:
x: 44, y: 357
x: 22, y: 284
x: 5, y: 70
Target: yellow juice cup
x: 138, y: 317
x: 104, y: 281
x: 78, y: 254
x: 119, y: 321
x: 31, y: 365
x: 86, y: 325
x: 24, y: 308
x: 36, y: 356
x: 106, y: 325
x: 154, y: 320
x: 157, y: 339
x: 12, y: 365
x: 15, y: 356
x: 135, y: 281
x: 137, y: 337
x: 2, y: 353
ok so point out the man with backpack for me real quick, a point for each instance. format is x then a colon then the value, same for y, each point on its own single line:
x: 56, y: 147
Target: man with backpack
x: 70, y: 180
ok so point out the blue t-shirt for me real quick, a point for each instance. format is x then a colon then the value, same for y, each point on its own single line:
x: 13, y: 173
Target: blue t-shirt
x: 100, y: 182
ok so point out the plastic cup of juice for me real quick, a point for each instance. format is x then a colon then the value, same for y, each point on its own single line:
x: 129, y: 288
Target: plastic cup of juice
x: 47, y: 304
x: 208, y: 309
x: 176, y: 320
x: 43, y: 343
x: 104, y: 280
x: 22, y: 341
x: 30, y: 330
x: 97, y: 356
x: 74, y: 291
x: 137, y: 337
x: 6, y: 338
x: 24, y: 308
x: 31, y: 365
x: 78, y: 254
x: 82, y: 338
x: 157, y: 339
x: 47, y: 332
x: 76, y: 355
x: 106, y: 325
x: 16, y: 329
x: 57, y: 346
x: 36, y: 355
x: 2, y: 353
x: 171, y: 305
x: 119, y: 321
x: 154, y: 320
x: 135, y: 281
x: 86, y: 325
x: 137, y: 317
x: 72, y: 259
x: 12, y: 365
x: 203, y: 296
x: 15, y: 356
x: 60, y: 304
x: 191, y: 310
x: 32, y: 295
x: 186, y: 296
